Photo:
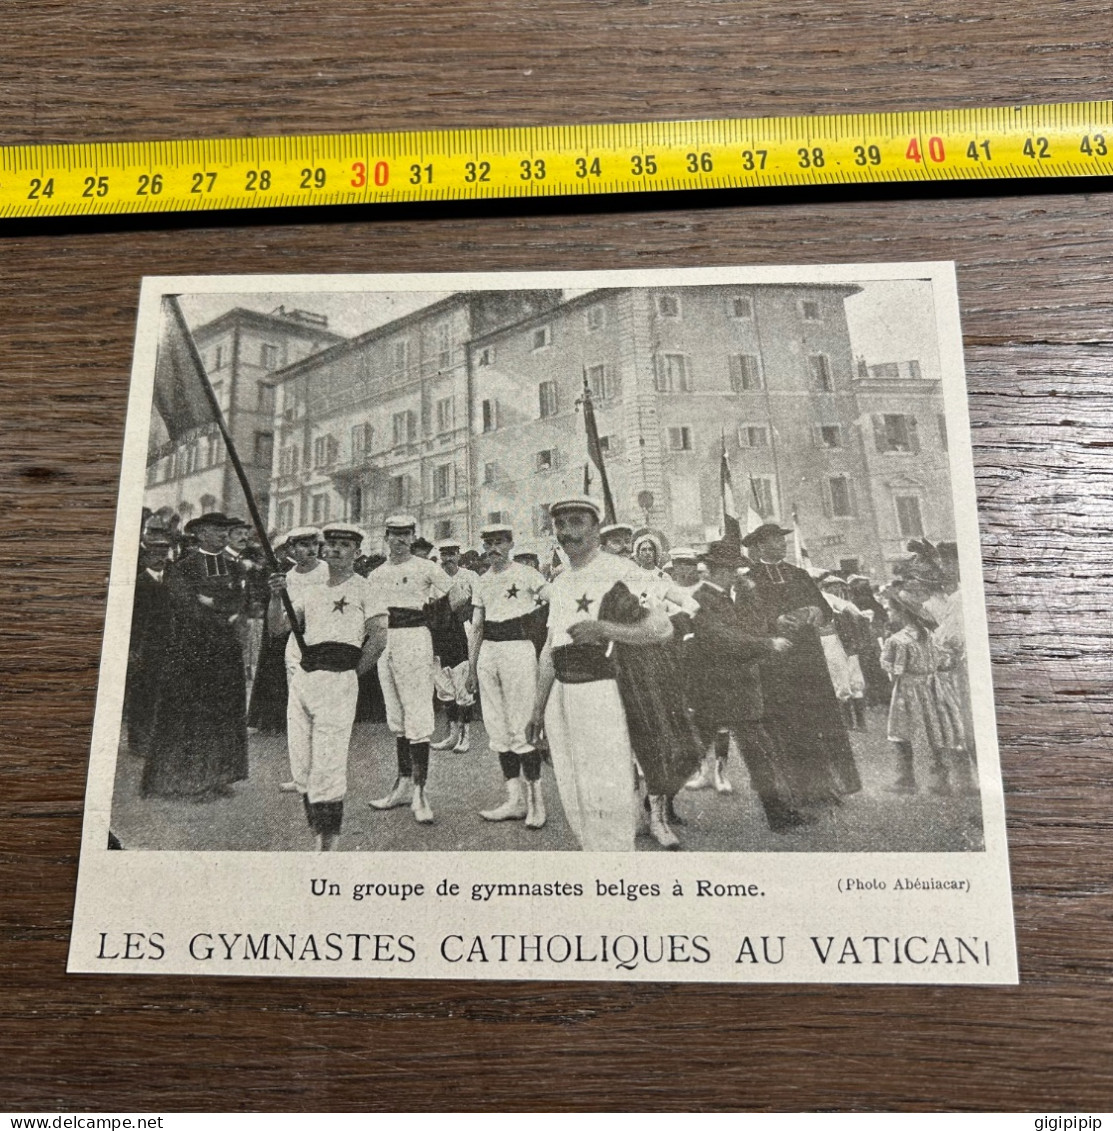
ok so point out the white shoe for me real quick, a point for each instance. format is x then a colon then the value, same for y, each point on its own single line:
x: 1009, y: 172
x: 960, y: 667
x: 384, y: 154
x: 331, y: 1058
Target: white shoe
x: 722, y: 782
x: 535, y: 806
x: 421, y: 811
x: 288, y: 787
x: 701, y: 779
x: 513, y: 808
x: 399, y: 795
x: 464, y: 744
x: 659, y: 825
x: 450, y: 740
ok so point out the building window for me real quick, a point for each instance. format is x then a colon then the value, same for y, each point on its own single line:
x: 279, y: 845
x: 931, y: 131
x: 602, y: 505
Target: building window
x: 745, y: 373
x: 680, y: 439
x: 362, y: 437
x: 490, y: 415
x: 595, y: 318
x: 547, y: 399
x: 218, y: 358
x: 442, y: 528
x: 599, y: 382
x: 355, y: 505
x: 285, y: 516
x: 268, y: 355
x: 914, y: 370
x: 320, y: 509
x: 325, y: 451
x: 753, y: 436
x: 541, y: 337
x: 444, y: 345
x: 763, y: 498
x: 605, y: 445
x: 266, y: 398
x: 264, y: 449
x: 828, y: 435
x: 820, y: 366
x: 399, y: 494
x: 288, y: 461
x: 847, y: 566
x: 811, y: 311
x: 895, y: 432
x: 673, y: 374
x: 446, y: 418
x: 668, y: 306
x: 542, y: 520
x: 208, y: 504
x: 405, y: 427
x: 909, y: 519
x: 494, y: 517
x: 546, y: 460
x: 842, y: 497
x: 741, y: 307
x: 399, y: 358
x: 218, y: 392
x: 486, y: 356
x: 490, y: 473
x: 943, y: 431
x: 442, y: 481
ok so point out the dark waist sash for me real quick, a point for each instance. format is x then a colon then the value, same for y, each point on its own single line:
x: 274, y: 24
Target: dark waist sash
x: 407, y: 618
x: 499, y: 630
x: 582, y: 663
x: 331, y: 656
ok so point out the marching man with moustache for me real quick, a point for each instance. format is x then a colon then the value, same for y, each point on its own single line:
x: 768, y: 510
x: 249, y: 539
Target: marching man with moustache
x: 407, y: 584
x: 504, y: 668
x: 344, y: 623
x: 577, y: 703
x: 451, y: 648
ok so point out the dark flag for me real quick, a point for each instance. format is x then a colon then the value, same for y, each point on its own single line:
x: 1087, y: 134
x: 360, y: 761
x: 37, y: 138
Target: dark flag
x: 595, y: 454
x: 587, y: 478
x: 732, y: 528
x: 183, y: 400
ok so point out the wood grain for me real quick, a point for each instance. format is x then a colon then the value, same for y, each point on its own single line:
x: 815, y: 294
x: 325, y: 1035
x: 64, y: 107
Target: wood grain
x: 1034, y: 277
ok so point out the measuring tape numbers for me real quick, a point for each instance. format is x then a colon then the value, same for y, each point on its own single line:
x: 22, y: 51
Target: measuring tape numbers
x: 1049, y: 140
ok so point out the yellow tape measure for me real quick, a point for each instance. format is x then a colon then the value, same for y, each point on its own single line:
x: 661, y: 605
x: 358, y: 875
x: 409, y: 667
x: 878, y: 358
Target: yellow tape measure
x: 1051, y: 140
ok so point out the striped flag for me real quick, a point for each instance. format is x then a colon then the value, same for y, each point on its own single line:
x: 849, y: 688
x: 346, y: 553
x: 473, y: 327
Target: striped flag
x: 732, y: 528
x: 595, y: 454
x: 801, y: 551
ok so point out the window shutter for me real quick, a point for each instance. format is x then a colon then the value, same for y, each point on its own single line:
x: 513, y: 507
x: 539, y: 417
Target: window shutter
x: 879, y: 438
x: 852, y: 491
x: 913, y: 434
x: 735, y: 363
x: 828, y: 499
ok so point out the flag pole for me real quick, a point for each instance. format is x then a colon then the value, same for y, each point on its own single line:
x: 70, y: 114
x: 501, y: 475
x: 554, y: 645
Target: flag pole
x: 595, y: 452
x: 234, y: 458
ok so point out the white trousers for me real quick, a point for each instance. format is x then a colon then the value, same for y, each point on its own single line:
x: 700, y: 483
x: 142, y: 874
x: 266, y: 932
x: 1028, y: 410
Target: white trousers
x: 593, y: 763
x: 406, y: 676
x: 452, y: 684
x: 846, y: 671
x: 319, y: 716
x: 507, y: 672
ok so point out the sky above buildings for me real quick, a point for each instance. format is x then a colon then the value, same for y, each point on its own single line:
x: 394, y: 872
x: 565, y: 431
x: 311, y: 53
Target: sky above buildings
x: 888, y: 321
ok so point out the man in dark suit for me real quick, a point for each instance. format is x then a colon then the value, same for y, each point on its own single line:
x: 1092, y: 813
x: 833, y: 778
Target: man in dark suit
x: 724, y: 683
x: 150, y: 633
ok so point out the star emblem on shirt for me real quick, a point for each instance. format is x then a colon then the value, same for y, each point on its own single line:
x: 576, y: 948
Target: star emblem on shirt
x: 512, y: 592
x: 536, y: 595
x: 340, y: 606
x: 583, y: 605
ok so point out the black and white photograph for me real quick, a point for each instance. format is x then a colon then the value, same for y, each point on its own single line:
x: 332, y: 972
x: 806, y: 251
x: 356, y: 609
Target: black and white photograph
x: 617, y: 562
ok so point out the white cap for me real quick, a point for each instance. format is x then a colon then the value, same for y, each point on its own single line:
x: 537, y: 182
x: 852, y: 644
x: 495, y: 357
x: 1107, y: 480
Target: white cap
x: 343, y: 530
x: 612, y: 527
x: 449, y: 544
x: 401, y: 522
x: 300, y: 532
x: 576, y: 503
x: 683, y: 554
x: 493, y: 528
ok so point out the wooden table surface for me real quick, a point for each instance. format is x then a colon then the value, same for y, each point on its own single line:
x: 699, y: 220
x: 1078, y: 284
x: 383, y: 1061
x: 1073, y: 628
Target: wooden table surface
x: 1034, y: 277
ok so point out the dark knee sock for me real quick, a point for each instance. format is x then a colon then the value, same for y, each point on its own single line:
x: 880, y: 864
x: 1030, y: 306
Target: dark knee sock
x: 531, y: 765
x: 464, y: 714
x: 329, y: 816
x: 452, y: 711
x: 511, y: 764
x: 405, y: 762
x: 419, y: 752
x: 722, y: 745
x: 310, y: 813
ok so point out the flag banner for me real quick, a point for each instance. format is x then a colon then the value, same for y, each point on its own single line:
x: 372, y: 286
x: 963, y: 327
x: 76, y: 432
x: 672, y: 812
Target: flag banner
x: 767, y: 757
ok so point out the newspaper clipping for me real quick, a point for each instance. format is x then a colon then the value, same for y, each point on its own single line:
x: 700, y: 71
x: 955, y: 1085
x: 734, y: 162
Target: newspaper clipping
x: 618, y: 625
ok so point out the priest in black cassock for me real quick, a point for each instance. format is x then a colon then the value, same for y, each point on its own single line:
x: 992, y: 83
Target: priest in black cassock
x: 199, y: 740
x: 801, y: 710
x: 150, y: 634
